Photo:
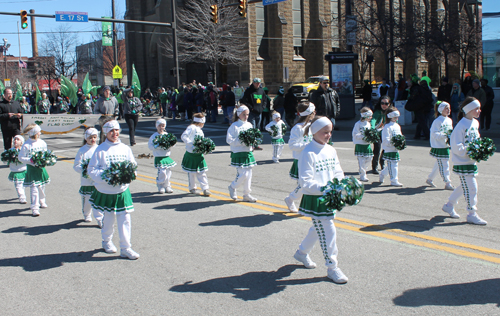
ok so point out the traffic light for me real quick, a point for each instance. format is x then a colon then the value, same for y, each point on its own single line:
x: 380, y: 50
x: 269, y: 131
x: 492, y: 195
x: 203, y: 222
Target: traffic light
x: 243, y: 8
x: 24, y: 19
x: 214, y: 13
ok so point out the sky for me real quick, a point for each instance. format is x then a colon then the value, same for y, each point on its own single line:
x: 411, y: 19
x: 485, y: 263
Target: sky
x: 8, y: 23
x: 98, y: 8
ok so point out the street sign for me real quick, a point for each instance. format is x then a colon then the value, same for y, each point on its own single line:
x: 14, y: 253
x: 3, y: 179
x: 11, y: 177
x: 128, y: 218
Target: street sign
x: 117, y: 72
x: 63, y: 16
x: 266, y: 2
x: 6, y: 82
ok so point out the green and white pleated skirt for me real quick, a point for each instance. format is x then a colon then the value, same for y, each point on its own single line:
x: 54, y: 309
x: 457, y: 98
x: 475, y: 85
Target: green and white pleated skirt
x: 391, y: 156
x: 465, y: 170
x: 311, y: 206
x: 278, y: 141
x: 36, y: 176
x: 121, y: 202
x: 294, y: 170
x: 243, y: 160
x: 363, y: 150
x: 194, y: 162
x: 164, y: 162
x: 17, y: 177
x: 443, y: 153
x: 86, y: 190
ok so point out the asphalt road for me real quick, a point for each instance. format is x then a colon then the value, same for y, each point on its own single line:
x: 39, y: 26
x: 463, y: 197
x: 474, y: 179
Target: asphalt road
x: 212, y: 256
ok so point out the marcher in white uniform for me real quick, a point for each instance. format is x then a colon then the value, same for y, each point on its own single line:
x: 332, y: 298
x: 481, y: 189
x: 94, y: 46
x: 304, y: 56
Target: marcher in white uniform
x: 163, y: 162
x: 115, y: 201
x: 319, y: 164
x: 36, y: 178
x: 241, y: 155
x: 86, y: 183
x: 363, y: 149
x: 465, y: 131
x: 194, y: 163
x: 18, y: 170
x: 391, y: 154
x: 297, y: 142
x: 277, y: 141
x: 439, y: 148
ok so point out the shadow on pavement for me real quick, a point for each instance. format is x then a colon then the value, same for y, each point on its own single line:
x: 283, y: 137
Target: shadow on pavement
x: 270, y: 162
x: 221, y: 152
x: 250, y: 286
x: 258, y: 220
x: 155, y: 197
x: 49, y: 229
x: 188, y: 207
x: 17, y: 212
x: 415, y: 226
x: 50, y: 261
x: 396, y: 190
x: 461, y: 294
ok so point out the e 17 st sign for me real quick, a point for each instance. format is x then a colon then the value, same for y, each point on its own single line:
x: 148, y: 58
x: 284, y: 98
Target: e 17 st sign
x: 63, y: 16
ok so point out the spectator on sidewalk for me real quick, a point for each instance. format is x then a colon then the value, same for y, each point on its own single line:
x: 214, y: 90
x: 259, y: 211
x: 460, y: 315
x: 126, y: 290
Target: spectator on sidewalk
x: 10, y: 117
x: 487, y: 108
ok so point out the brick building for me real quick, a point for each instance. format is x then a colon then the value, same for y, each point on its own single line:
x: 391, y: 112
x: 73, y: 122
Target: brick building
x: 288, y: 41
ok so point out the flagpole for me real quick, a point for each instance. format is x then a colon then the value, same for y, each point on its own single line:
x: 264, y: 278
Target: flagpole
x: 19, y: 42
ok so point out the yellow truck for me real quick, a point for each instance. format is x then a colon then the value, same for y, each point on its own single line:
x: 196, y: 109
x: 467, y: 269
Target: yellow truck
x: 302, y: 90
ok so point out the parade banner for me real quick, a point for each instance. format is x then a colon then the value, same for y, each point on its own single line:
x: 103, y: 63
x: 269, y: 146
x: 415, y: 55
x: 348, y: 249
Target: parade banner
x: 60, y: 123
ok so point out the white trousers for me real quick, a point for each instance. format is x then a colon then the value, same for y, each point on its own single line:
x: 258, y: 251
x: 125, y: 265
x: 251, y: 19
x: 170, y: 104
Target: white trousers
x: 296, y: 195
x: 243, y: 177
x: 467, y: 188
x: 124, y: 224
x: 442, y: 166
x: 37, y: 196
x: 20, y: 191
x: 202, y: 179
x: 391, y: 170
x: 87, y: 208
x: 277, y: 150
x: 364, y: 164
x: 324, y: 231
x: 163, y: 178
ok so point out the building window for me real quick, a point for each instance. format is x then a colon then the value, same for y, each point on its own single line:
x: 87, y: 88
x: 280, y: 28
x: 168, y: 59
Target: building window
x: 334, y: 8
x: 297, y: 26
x: 262, y: 31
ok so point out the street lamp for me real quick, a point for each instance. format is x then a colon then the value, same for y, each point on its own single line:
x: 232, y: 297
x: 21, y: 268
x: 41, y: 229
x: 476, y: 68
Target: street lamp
x: 5, y: 48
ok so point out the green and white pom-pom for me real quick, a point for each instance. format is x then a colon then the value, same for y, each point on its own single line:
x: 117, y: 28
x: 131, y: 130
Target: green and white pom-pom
x: 85, y: 166
x: 481, y: 149
x: 43, y: 158
x: 203, y: 145
x: 274, y: 131
x: 398, y: 141
x: 339, y: 193
x: 119, y: 173
x: 10, y: 156
x: 283, y: 129
x: 445, y: 129
x: 251, y: 137
x: 165, y: 141
x: 371, y: 135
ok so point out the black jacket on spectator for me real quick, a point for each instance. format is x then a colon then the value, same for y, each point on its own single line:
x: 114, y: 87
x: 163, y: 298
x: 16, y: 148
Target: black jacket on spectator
x: 326, y: 101
x: 254, y: 99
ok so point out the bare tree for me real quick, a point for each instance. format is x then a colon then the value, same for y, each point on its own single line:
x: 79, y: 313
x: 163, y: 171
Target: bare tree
x: 442, y: 41
x: 468, y: 44
x: 201, y: 40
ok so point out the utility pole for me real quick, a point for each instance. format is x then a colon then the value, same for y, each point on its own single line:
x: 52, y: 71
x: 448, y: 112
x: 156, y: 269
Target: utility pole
x: 391, y: 39
x: 115, y: 47
x: 174, y: 40
x: 19, y: 43
x: 348, y: 12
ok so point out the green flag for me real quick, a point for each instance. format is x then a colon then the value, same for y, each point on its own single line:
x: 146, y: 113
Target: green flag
x: 136, y: 84
x: 38, y: 96
x: 87, y: 85
x: 19, y: 91
x: 69, y: 90
x: 93, y: 91
x: 2, y: 87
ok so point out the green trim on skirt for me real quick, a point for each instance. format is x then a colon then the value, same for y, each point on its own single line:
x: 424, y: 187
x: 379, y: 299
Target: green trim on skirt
x: 243, y: 160
x: 465, y: 170
x: 391, y: 156
x: 17, y: 177
x: 363, y: 150
x: 86, y: 190
x: 440, y: 152
x: 194, y: 162
x: 311, y: 206
x: 112, y: 202
x: 278, y: 141
x: 294, y: 170
x: 36, y: 176
x: 164, y: 162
